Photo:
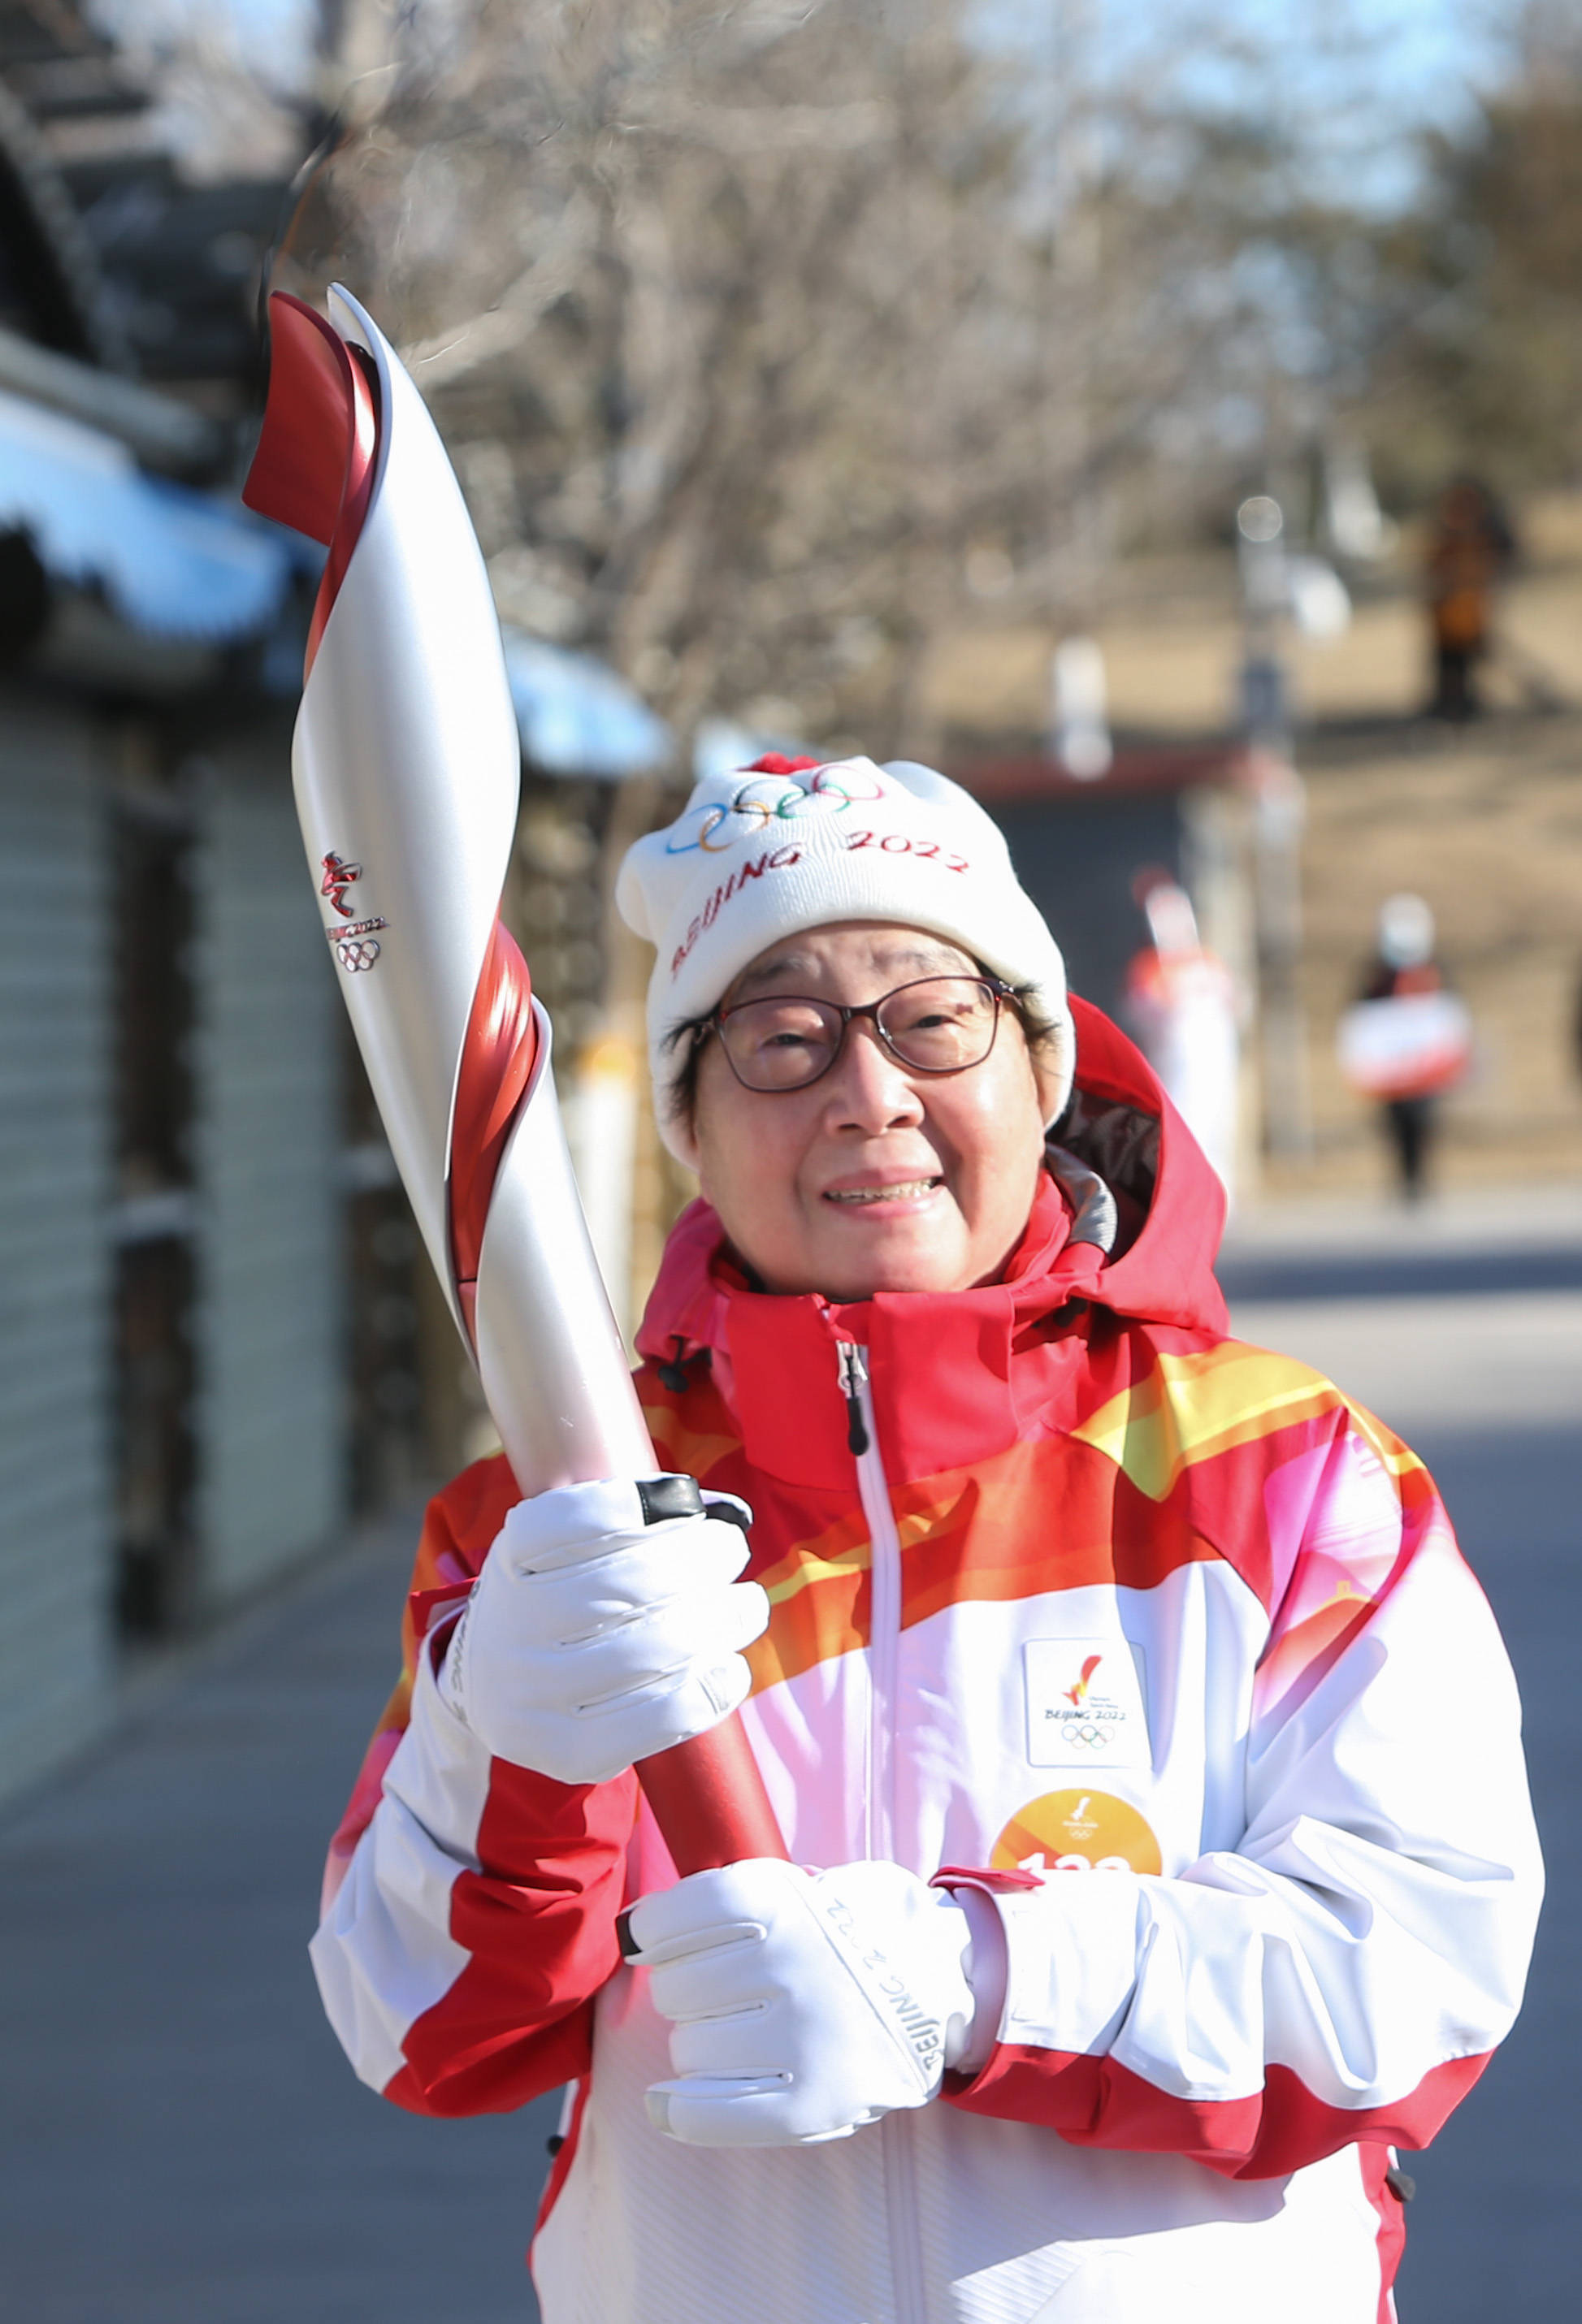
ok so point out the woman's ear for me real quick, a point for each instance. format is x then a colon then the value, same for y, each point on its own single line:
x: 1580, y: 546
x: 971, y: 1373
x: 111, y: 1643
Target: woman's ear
x: 1053, y: 1069
x: 681, y: 1129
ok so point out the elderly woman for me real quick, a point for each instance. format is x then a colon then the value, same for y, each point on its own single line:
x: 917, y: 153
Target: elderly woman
x: 1147, y: 1755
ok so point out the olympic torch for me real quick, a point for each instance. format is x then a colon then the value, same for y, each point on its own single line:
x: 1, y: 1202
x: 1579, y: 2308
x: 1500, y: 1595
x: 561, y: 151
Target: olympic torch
x: 405, y: 761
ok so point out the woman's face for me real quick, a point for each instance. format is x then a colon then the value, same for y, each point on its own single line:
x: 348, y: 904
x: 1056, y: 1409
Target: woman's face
x: 876, y: 1177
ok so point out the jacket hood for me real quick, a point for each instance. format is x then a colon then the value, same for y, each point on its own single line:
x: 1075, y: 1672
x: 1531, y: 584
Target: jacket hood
x: 1121, y: 1123
x: 1144, y: 1252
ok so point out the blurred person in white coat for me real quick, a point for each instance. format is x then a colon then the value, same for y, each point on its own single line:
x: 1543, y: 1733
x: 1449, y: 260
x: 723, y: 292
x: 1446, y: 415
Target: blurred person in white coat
x: 1183, y: 1007
x: 1407, y: 1039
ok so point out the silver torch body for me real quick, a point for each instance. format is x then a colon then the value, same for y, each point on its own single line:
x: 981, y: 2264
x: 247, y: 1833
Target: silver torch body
x: 406, y: 768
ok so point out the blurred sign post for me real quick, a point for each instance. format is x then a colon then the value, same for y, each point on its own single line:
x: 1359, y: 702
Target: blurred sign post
x: 1280, y: 815
x: 1079, y: 704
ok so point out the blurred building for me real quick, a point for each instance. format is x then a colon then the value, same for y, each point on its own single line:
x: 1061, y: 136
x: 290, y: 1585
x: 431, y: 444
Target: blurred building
x: 219, y: 1336
x: 171, y: 1401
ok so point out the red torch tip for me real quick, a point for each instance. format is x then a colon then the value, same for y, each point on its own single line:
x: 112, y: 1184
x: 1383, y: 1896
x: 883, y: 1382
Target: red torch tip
x: 299, y: 471
x: 314, y: 466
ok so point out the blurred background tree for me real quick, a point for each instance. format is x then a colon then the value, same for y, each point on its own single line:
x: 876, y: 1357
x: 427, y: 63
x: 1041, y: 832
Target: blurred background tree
x: 1477, y: 360
x: 769, y: 341
x: 766, y: 335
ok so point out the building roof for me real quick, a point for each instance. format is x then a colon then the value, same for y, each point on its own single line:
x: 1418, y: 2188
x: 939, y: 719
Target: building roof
x: 168, y: 560
x: 111, y: 253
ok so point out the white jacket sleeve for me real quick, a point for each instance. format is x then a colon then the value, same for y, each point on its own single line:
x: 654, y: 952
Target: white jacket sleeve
x: 1344, y: 1974
x: 470, y: 1904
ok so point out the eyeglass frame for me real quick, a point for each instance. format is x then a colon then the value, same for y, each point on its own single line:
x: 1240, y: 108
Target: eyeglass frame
x: 998, y: 991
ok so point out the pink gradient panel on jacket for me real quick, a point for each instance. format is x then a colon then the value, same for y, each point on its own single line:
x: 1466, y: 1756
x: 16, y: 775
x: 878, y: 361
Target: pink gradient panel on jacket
x: 1342, y: 1527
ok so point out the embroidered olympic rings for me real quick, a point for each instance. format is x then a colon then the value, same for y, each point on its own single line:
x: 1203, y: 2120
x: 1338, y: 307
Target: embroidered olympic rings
x: 794, y: 799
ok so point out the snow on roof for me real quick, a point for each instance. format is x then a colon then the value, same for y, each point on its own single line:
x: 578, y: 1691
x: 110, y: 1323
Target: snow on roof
x: 169, y: 560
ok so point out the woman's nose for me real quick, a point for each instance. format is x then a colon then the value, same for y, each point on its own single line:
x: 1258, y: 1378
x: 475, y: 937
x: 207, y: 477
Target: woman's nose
x: 869, y: 1088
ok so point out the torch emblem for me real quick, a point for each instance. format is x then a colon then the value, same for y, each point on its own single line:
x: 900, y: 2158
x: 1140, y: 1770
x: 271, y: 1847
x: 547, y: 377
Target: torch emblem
x: 338, y: 876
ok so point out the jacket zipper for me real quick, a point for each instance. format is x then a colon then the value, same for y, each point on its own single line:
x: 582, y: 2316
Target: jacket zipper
x: 879, y: 1808
x: 885, y: 1600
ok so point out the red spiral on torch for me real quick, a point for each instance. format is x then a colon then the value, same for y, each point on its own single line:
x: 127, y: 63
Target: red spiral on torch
x: 497, y: 1058
x: 315, y: 470
x: 708, y: 1796
x: 314, y: 466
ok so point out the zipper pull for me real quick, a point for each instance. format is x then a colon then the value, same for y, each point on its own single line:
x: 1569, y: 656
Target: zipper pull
x: 854, y: 1373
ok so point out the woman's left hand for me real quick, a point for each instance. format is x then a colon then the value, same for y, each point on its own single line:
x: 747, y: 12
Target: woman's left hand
x: 803, y: 2004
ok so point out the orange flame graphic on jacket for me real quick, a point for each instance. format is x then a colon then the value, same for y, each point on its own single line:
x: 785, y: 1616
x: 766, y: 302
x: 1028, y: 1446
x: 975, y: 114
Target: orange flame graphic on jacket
x: 1074, y: 1694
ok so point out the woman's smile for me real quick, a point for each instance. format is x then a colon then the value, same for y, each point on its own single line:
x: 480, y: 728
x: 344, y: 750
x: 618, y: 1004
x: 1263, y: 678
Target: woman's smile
x: 886, y: 1194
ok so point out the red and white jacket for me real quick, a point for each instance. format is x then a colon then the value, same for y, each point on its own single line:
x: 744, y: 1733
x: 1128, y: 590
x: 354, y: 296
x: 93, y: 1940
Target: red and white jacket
x: 1149, y: 1632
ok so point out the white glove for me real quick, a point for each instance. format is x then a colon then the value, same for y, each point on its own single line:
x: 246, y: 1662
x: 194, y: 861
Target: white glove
x: 594, y: 1637
x: 804, y: 2003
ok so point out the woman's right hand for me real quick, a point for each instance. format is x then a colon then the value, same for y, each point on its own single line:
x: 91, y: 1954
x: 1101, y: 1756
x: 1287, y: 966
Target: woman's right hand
x: 595, y: 1637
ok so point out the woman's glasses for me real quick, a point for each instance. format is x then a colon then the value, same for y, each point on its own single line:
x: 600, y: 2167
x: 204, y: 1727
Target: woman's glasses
x: 940, y: 1025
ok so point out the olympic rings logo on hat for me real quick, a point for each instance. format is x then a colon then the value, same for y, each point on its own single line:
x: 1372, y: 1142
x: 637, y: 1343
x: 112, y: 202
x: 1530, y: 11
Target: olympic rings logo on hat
x: 826, y: 792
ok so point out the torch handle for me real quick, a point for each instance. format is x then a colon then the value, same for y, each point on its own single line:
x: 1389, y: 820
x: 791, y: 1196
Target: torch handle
x: 707, y: 1795
x: 708, y: 1800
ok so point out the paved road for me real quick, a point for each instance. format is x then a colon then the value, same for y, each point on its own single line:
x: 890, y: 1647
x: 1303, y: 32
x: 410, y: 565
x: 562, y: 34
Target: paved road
x: 180, y: 2142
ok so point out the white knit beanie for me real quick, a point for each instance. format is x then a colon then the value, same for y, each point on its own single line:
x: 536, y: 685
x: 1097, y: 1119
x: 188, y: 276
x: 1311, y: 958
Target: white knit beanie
x: 757, y: 856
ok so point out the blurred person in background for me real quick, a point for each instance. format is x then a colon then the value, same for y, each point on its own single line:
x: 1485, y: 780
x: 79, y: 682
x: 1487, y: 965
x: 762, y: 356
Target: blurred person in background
x: 1470, y: 548
x: 1182, y: 1007
x: 1407, y: 1039
x: 1149, y: 1877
